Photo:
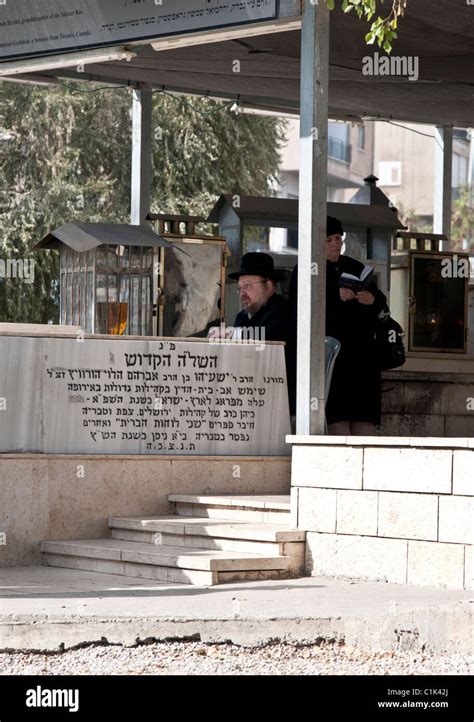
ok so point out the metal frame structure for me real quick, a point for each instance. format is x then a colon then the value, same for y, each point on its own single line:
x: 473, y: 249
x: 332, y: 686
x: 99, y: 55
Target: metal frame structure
x: 314, y: 68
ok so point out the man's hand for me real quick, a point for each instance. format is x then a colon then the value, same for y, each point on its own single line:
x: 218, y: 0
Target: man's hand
x: 219, y: 332
x: 346, y: 294
x: 214, y: 332
x: 365, y: 297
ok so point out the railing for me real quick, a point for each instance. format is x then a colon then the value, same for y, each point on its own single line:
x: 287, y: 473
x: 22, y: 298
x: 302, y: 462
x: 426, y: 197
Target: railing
x: 460, y: 134
x: 339, y: 150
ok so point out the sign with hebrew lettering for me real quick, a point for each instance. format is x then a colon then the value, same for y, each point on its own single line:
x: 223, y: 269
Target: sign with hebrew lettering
x: 33, y: 28
x: 126, y: 396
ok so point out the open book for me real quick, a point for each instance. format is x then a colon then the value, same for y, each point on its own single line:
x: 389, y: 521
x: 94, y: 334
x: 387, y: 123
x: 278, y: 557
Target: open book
x: 357, y: 283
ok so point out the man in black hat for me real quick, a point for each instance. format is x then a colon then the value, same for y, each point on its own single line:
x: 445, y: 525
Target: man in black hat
x: 354, y: 403
x: 265, y: 314
x: 264, y: 310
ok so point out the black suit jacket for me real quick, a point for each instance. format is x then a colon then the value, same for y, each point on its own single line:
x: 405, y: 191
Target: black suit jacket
x: 274, y: 317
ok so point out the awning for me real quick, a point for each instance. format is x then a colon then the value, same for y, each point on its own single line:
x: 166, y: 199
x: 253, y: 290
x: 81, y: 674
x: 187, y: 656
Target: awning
x: 84, y: 237
x: 263, y: 210
x: 439, y: 34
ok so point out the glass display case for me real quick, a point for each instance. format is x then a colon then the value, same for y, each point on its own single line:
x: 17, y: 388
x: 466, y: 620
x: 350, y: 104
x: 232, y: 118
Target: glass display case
x: 438, y: 302
x: 118, y: 279
x: 108, y: 290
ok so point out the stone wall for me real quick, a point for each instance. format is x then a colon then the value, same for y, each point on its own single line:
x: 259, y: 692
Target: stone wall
x: 427, y: 403
x: 71, y: 497
x: 394, y: 510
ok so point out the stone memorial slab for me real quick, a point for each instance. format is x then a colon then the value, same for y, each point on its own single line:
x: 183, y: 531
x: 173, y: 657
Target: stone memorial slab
x: 141, y: 396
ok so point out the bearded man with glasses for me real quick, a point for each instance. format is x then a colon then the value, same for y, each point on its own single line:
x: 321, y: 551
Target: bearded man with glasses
x: 265, y: 314
x: 264, y: 310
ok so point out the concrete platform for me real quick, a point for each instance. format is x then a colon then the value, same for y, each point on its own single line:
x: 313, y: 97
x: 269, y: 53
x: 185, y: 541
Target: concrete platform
x: 43, y: 608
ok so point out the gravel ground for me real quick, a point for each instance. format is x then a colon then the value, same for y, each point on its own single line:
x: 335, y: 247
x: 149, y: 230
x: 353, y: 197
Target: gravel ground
x: 196, y: 658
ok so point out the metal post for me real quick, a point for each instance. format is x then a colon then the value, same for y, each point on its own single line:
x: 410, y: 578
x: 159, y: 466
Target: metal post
x: 141, y: 156
x: 310, y: 414
x: 470, y: 176
x: 443, y: 181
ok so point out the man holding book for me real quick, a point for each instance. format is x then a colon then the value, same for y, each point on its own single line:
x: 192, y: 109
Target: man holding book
x: 353, y: 303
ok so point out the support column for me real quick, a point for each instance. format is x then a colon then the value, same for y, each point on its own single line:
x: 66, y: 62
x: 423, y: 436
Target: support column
x: 310, y: 414
x: 141, y: 156
x: 443, y: 182
x: 470, y: 175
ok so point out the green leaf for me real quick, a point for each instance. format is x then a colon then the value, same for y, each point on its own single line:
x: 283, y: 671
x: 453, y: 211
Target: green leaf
x: 345, y: 5
x: 330, y: 4
x: 387, y: 46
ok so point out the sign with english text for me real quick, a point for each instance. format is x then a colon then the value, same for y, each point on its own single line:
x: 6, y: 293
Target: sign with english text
x: 44, y: 27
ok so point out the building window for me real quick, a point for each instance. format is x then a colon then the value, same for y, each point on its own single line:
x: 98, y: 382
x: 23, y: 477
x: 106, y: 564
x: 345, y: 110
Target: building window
x: 390, y: 173
x: 292, y: 238
x: 339, y: 147
x: 460, y: 167
x: 361, y: 137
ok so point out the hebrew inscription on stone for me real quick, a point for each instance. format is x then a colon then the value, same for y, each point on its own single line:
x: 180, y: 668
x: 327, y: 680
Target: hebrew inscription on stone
x: 107, y: 396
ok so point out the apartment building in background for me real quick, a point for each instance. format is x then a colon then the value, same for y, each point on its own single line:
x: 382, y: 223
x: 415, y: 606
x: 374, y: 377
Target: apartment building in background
x: 404, y: 162
x: 350, y: 160
x: 402, y: 156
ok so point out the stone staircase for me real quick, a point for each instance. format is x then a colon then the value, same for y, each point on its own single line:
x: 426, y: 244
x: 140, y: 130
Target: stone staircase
x: 209, y: 540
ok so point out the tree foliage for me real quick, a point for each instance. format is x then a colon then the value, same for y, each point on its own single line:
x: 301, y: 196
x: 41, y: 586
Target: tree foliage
x: 463, y: 220
x: 409, y: 217
x: 66, y: 156
x: 63, y: 157
x: 383, y: 29
x: 203, y: 152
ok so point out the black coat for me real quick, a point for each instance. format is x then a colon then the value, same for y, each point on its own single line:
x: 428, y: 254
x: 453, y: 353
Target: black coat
x: 349, y: 321
x: 356, y: 384
x: 274, y: 317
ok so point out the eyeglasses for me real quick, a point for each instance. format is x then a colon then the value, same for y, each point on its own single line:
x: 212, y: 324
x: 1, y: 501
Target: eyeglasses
x: 246, y: 286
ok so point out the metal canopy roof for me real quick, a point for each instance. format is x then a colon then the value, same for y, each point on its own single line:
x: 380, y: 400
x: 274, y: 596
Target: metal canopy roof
x: 285, y: 211
x: 440, y: 34
x: 83, y: 237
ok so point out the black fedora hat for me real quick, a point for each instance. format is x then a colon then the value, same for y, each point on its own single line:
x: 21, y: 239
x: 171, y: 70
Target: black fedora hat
x: 333, y: 226
x: 257, y: 264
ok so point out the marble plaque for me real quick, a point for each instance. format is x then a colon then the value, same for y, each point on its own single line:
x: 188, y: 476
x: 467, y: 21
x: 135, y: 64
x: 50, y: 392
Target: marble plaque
x: 134, y: 396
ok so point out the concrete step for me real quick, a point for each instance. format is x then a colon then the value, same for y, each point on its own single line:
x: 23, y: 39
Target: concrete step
x: 252, y: 531
x: 212, y: 539
x: 128, y: 569
x: 197, y: 542
x: 162, y: 574
x: 166, y: 556
x: 257, y: 538
x: 270, y: 508
x: 165, y: 563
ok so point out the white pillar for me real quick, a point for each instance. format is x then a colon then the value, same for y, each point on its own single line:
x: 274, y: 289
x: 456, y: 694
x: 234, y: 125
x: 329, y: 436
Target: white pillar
x: 141, y: 156
x: 443, y: 181
x: 310, y: 415
x: 470, y: 177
